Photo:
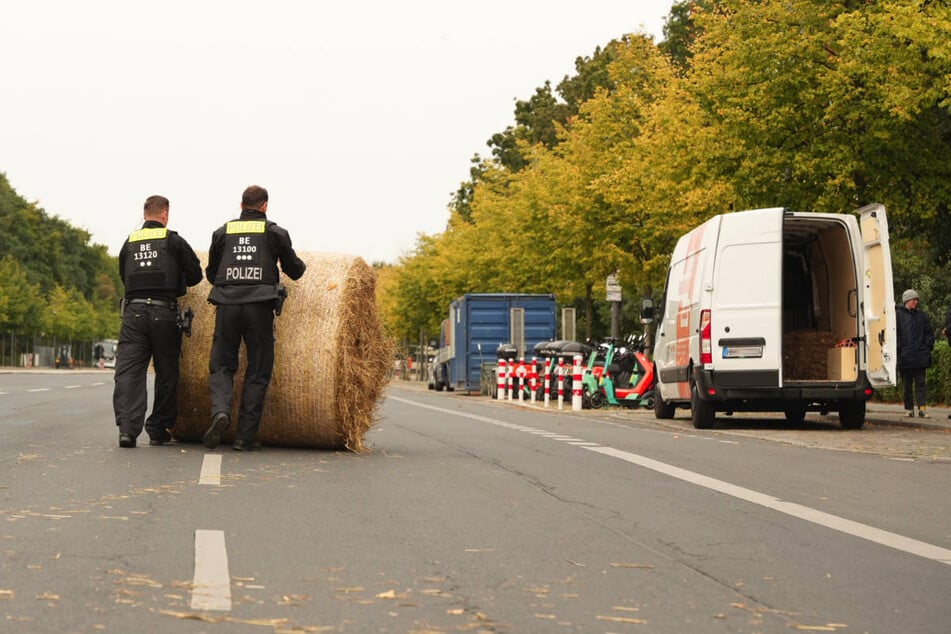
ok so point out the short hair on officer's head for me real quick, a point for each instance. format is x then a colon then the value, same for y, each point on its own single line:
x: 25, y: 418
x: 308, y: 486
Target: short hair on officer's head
x: 155, y: 205
x: 253, y: 197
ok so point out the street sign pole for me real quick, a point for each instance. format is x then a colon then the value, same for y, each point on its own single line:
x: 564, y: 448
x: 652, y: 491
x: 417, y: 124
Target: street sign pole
x: 614, y: 296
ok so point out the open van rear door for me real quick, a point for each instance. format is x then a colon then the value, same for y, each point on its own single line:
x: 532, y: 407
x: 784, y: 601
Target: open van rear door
x: 880, y: 329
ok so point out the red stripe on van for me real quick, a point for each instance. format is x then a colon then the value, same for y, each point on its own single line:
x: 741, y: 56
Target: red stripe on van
x: 688, y: 300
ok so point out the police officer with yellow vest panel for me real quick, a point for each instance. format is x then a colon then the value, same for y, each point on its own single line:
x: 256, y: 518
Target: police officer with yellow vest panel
x: 242, y: 266
x: 156, y: 265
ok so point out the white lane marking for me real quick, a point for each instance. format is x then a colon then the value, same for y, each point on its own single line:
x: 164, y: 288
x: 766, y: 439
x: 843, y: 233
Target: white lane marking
x: 39, y: 389
x: 211, y: 586
x: 857, y: 529
x: 210, y: 469
x: 841, y: 524
x: 98, y: 383
x: 71, y: 387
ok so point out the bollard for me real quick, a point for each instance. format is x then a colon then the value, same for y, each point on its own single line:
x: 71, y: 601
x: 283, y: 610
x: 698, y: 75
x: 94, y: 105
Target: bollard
x: 548, y: 365
x: 561, y: 383
x: 509, y: 379
x: 533, y: 378
x: 576, y: 386
x: 501, y: 380
x: 521, y: 379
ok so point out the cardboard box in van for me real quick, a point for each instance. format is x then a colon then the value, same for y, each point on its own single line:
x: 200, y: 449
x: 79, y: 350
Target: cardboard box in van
x: 774, y: 310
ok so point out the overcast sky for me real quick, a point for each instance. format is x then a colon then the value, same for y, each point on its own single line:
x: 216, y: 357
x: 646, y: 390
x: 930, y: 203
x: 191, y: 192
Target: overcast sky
x: 358, y: 117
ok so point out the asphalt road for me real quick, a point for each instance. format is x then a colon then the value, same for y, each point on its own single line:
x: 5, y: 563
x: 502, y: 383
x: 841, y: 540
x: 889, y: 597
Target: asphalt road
x: 467, y: 515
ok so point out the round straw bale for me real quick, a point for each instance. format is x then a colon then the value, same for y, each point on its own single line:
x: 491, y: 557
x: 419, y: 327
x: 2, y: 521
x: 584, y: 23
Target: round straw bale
x: 331, y: 360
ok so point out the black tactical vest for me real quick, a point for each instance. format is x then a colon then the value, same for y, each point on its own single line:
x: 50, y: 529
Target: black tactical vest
x: 247, y: 258
x: 148, y: 264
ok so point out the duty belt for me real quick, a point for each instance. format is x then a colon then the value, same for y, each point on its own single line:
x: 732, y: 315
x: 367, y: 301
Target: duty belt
x: 154, y: 302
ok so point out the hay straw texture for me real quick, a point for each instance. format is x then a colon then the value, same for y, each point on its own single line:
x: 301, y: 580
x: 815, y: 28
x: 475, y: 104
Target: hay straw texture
x: 331, y: 360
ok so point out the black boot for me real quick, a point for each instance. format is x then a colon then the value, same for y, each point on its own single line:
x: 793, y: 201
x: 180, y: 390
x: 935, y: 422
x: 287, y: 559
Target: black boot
x: 219, y: 423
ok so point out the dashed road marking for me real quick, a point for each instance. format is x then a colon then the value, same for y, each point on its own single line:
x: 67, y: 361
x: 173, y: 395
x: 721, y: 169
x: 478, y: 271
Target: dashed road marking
x: 211, y: 586
x: 210, y: 469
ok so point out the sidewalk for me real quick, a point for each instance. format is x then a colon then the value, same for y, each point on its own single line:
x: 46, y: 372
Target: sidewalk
x: 895, y: 414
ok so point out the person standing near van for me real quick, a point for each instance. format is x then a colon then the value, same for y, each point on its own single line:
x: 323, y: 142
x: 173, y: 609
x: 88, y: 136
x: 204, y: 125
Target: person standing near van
x: 915, y: 341
x: 946, y: 331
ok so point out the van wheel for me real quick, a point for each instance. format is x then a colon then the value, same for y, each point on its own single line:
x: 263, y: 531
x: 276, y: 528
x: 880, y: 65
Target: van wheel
x: 702, y: 413
x: 662, y: 409
x: 795, y: 414
x: 852, y: 414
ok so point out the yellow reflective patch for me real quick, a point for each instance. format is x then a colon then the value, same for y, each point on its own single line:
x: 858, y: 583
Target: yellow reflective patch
x: 156, y: 233
x: 246, y: 226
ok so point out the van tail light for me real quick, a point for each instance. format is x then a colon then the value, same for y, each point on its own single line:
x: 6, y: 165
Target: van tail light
x: 706, y: 346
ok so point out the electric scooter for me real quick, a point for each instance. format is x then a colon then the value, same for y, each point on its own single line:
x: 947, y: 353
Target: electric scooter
x: 592, y: 395
x: 629, y: 380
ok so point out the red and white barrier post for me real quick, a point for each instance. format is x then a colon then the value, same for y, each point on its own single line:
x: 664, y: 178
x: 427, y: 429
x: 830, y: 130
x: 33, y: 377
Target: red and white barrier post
x: 548, y: 365
x: 501, y: 380
x: 521, y: 372
x: 561, y: 383
x: 533, y: 378
x: 576, y: 385
x: 509, y: 380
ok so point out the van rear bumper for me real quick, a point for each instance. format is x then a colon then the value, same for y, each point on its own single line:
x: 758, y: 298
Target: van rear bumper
x: 735, y: 392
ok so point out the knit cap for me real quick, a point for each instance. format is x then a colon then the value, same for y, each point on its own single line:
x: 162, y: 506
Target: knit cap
x: 909, y: 295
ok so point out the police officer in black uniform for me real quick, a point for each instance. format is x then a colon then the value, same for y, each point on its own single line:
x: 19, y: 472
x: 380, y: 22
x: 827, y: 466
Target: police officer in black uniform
x: 156, y: 265
x: 242, y: 266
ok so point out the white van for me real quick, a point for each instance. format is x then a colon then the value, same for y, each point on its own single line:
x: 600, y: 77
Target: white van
x: 773, y: 310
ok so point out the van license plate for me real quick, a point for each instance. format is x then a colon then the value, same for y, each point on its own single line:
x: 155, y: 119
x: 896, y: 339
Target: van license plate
x: 743, y: 352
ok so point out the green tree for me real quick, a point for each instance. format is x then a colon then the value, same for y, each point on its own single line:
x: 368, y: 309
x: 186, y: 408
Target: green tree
x: 460, y: 204
x: 66, y: 312
x: 853, y: 109
x: 681, y: 30
x: 806, y: 104
x: 850, y: 110
x: 21, y: 304
x: 51, y: 250
x: 605, y: 218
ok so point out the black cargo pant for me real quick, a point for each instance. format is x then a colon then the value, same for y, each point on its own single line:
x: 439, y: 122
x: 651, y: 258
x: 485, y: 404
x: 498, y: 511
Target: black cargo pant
x: 915, y: 384
x: 253, y: 323
x: 148, y: 333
